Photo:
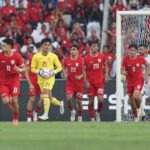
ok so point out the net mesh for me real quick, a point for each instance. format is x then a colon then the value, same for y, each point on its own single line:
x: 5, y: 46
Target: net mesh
x: 134, y: 29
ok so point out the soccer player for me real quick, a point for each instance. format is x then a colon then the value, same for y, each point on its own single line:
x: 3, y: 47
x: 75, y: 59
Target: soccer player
x: 73, y: 72
x: 95, y: 72
x: 132, y: 69
x: 42, y: 61
x: 143, y: 51
x: 34, y: 89
x: 11, y: 64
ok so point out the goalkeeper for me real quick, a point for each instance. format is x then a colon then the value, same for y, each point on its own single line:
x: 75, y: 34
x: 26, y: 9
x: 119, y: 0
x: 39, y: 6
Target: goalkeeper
x: 43, y: 64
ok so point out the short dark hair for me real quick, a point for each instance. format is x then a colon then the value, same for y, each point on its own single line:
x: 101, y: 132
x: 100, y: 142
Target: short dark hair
x: 46, y: 40
x: 8, y: 41
x: 142, y: 45
x: 93, y: 42
x: 74, y: 46
x: 133, y: 46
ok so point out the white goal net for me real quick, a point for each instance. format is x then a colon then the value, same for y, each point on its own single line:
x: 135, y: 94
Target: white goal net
x: 132, y: 27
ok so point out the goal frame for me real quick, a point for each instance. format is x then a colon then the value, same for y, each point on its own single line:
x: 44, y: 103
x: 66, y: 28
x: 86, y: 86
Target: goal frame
x: 118, y: 56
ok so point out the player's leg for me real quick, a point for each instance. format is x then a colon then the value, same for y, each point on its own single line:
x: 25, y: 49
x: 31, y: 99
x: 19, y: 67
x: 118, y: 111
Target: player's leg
x: 5, y: 95
x: 80, y: 110
x: 100, y: 93
x: 15, y: 92
x: 46, y: 97
x: 59, y: 103
x: 91, y: 108
x: 29, y: 108
x: 79, y: 98
x: 132, y: 101
x: 40, y: 102
x: 16, y: 110
x: 69, y: 97
x: 37, y: 109
x: 137, y: 99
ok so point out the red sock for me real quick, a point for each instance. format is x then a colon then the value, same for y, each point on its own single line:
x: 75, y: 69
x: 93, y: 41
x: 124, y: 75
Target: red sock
x: 91, y: 110
x: 15, y: 115
x: 37, y: 109
x: 100, y: 106
x: 11, y: 106
x: 71, y: 107
x: 79, y: 112
x: 29, y: 113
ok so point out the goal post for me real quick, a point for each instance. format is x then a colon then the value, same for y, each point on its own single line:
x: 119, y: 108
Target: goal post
x: 128, y: 21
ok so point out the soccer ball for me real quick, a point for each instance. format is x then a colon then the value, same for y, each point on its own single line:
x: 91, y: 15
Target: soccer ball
x: 46, y: 73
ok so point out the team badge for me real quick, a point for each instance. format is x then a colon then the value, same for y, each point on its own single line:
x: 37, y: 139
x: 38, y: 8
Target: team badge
x: 99, y: 60
x: 137, y: 65
x: 77, y: 64
x: 12, y: 62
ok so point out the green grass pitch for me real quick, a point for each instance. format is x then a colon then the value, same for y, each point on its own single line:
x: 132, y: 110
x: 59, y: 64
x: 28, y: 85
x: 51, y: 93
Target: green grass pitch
x: 74, y: 136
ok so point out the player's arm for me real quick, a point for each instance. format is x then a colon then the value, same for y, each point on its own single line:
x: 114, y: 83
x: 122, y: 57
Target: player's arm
x: 57, y: 65
x: 34, y: 68
x: 84, y: 76
x: 106, y: 70
x: 65, y: 70
x: 28, y: 78
x: 147, y: 68
x: 123, y: 68
x: 123, y: 71
x: 20, y: 69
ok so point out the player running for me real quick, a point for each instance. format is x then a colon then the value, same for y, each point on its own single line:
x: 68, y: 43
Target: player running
x: 96, y: 71
x: 132, y: 69
x: 73, y: 71
x: 46, y: 65
x: 11, y: 64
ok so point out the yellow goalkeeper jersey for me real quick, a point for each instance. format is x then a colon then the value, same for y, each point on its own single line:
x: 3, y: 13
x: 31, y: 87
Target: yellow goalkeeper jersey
x: 49, y: 61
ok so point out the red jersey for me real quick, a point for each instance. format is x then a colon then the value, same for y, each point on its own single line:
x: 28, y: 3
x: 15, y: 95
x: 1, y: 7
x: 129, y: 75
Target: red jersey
x: 95, y: 67
x: 74, y: 68
x: 33, y: 76
x: 134, y: 69
x: 7, y: 65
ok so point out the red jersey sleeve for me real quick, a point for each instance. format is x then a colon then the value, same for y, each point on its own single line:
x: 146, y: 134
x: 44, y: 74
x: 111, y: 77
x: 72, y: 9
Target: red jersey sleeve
x: 19, y: 60
x: 123, y: 65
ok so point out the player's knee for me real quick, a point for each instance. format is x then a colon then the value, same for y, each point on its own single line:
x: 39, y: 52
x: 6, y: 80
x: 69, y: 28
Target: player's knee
x: 31, y: 99
x: 44, y: 96
x: 136, y: 96
x: 5, y: 100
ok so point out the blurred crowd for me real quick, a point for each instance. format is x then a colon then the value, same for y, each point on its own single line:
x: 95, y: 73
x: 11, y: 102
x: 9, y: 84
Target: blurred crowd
x: 65, y: 22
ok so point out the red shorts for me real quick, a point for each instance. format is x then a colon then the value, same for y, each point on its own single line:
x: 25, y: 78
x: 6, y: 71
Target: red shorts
x: 137, y: 87
x: 10, y: 88
x: 36, y: 90
x: 96, y: 89
x: 75, y: 89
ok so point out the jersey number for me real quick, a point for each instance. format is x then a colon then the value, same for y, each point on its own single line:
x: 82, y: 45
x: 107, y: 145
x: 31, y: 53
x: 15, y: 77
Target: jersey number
x: 8, y: 67
x: 73, y: 69
x: 133, y: 69
x: 44, y: 64
x: 95, y: 66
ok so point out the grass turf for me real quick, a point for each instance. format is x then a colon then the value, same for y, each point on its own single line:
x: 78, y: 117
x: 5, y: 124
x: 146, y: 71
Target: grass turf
x: 74, y: 136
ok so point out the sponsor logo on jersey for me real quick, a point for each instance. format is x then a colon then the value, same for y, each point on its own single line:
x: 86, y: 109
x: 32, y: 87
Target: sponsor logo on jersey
x: 137, y: 65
